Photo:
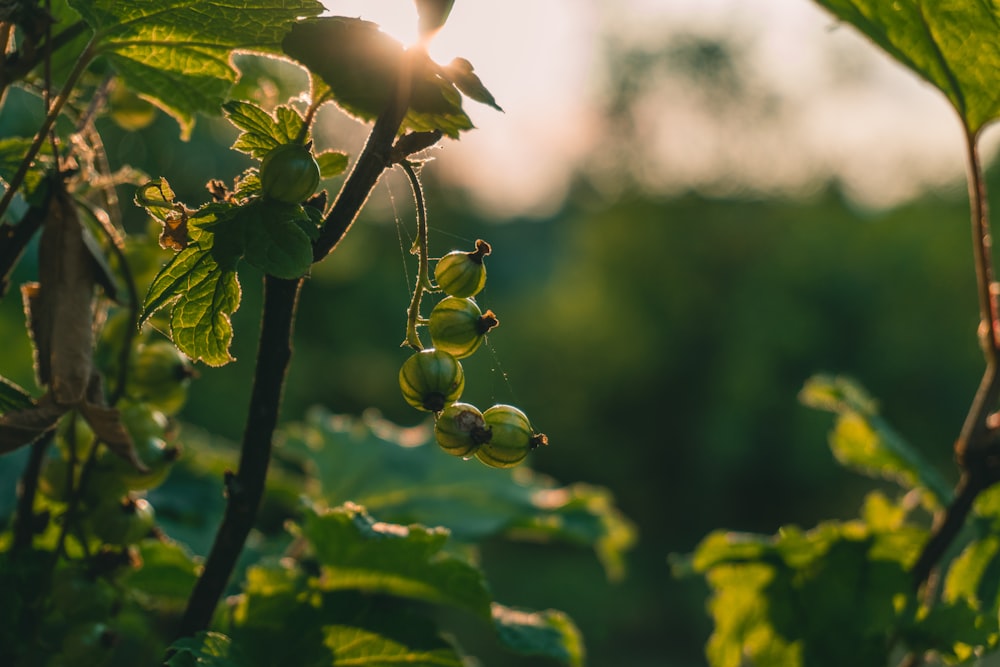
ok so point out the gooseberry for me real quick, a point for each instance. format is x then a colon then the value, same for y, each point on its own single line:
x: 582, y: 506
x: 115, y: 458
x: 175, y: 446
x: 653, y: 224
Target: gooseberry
x: 460, y: 429
x: 458, y: 326
x: 122, y: 523
x: 511, y: 437
x: 431, y: 379
x: 289, y: 173
x: 463, y: 274
x: 160, y: 374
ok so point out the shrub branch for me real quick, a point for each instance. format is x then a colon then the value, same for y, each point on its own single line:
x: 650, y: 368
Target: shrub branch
x: 977, y: 449
x: 245, y: 488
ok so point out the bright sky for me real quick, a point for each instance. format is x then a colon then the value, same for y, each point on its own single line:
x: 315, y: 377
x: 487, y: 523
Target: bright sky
x: 825, y: 103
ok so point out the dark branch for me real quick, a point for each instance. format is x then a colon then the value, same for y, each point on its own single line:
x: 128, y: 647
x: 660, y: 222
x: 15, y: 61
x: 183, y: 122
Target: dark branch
x: 24, y: 522
x: 246, y: 488
x: 376, y: 156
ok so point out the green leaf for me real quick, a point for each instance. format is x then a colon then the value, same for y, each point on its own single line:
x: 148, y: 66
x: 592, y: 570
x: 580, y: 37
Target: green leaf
x: 200, y: 323
x: 418, y: 483
x: 743, y: 631
x: 361, y: 64
x: 167, y: 575
x: 862, y: 440
x: 178, y: 53
x: 13, y: 397
x: 547, y: 633
x: 953, y: 630
x: 202, y: 296
x: 331, y: 163
x: 206, y: 649
x: 358, y: 553
x: 461, y: 73
x: 951, y: 45
x: 357, y: 646
x: 275, y: 241
x: 262, y: 131
x: 12, y: 152
x: 432, y: 14
x: 281, y: 607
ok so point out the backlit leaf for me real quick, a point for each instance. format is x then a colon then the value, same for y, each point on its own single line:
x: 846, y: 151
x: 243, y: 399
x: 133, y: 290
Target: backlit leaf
x: 359, y: 553
x: 952, y: 45
x: 547, y: 633
x: 262, y: 131
x: 418, y: 483
x: 178, y: 53
x: 361, y: 66
x: 862, y: 440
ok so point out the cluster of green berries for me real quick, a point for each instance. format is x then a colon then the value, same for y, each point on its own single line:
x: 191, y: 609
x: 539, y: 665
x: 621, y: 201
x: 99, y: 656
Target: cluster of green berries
x: 432, y: 379
x: 114, y: 511
x: 99, y: 499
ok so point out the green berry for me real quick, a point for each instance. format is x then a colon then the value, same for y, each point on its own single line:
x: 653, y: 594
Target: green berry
x: 55, y: 480
x: 431, y: 379
x: 121, y: 523
x: 511, y: 437
x: 463, y: 274
x: 160, y: 375
x: 457, y: 326
x: 460, y: 429
x: 289, y: 173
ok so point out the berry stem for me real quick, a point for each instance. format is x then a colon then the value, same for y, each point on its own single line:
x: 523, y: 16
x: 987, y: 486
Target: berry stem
x: 423, y: 268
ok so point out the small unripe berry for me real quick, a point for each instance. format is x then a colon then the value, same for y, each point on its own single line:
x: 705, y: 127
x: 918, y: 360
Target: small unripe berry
x: 511, y: 437
x: 457, y: 326
x: 431, y: 379
x: 463, y: 274
x: 460, y: 429
x: 289, y: 173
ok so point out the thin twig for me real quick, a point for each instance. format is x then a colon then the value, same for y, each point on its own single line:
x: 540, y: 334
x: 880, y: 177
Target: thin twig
x: 43, y: 131
x: 24, y: 521
x: 976, y: 448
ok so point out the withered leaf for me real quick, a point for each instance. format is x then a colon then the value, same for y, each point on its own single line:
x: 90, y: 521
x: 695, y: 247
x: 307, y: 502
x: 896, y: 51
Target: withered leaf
x: 60, y: 314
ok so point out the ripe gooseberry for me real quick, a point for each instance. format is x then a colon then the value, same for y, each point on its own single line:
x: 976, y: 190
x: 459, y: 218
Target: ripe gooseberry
x: 431, y: 379
x: 458, y: 326
x: 289, y: 173
x: 463, y: 274
x: 512, y: 437
x: 460, y: 429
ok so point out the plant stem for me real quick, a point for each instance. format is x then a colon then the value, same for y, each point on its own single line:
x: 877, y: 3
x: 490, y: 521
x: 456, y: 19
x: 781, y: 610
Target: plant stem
x: 423, y: 268
x: 24, y: 522
x: 374, y: 159
x: 245, y: 489
x: 976, y: 448
x: 43, y: 131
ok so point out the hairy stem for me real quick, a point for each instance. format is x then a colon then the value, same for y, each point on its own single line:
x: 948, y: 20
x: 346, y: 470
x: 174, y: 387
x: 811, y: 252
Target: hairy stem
x: 977, y: 446
x: 245, y: 489
x: 423, y: 269
x: 374, y: 159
